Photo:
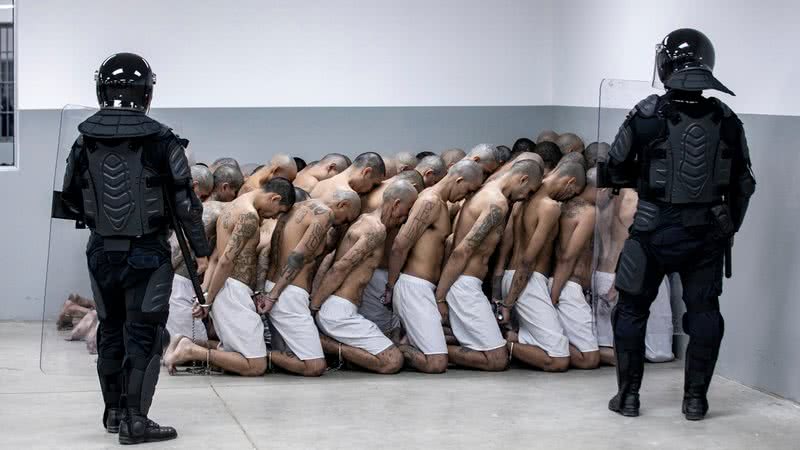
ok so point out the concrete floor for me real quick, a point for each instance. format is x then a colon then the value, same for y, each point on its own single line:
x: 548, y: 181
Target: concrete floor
x: 461, y: 409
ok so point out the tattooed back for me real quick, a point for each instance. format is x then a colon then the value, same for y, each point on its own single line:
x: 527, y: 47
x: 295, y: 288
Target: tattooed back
x: 298, y: 241
x: 237, y: 238
x: 576, y: 213
x: 481, y: 232
x: 364, y: 258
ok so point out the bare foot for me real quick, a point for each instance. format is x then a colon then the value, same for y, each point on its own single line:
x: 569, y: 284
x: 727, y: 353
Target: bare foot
x: 64, y: 321
x: 178, y: 353
x: 91, y: 338
x: 84, y: 327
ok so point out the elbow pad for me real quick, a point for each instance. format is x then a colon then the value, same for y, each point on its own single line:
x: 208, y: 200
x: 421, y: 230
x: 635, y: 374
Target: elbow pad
x: 616, y: 170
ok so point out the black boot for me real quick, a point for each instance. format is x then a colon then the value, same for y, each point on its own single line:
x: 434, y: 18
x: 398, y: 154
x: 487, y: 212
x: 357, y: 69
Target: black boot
x: 630, y: 367
x: 136, y: 428
x: 705, y: 331
x: 111, y: 419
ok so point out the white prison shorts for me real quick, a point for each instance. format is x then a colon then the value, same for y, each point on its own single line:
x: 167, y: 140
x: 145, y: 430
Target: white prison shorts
x: 539, y: 324
x: 292, y: 319
x: 238, y: 325
x: 658, y: 340
x: 576, y: 317
x: 372, y: 306
x: 471, y: 317
x: 339, y: 319
x: 414, y: 301
x: 180, y: 311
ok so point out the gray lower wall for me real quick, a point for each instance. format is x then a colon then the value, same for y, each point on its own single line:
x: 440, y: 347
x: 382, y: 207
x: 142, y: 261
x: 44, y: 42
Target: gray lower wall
x: 761, y: 313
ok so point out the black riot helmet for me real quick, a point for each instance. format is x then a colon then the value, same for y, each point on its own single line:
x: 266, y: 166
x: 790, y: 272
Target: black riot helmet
x: 685, y: 61
x: 125, y: 81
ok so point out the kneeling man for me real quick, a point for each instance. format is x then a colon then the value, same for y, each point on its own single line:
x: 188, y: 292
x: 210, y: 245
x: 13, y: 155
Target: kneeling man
x: 230, y: 286
x: 338, y: 297
x: 477, y: 232
x: 297, y: 243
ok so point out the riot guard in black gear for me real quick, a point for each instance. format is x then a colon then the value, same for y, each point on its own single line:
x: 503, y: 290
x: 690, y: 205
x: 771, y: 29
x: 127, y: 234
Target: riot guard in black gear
x: 687, y: 157
x: 123, y: 173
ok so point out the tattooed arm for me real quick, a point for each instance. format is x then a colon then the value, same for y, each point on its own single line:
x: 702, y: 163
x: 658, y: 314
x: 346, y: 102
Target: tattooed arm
x: 421, y: 216
x: 245, y: 228
x: 304, y: 252
x: 547, y: 215
x: 567, y: 259
x: 487, y: 221
x: 322, y: 269
x: 362, y: 249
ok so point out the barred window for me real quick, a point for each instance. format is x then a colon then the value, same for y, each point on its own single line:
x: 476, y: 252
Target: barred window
x: 7, y: 84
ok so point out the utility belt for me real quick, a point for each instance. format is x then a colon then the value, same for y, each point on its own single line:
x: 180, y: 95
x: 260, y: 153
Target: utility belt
x: 650, y: 214
x: 122, y: 245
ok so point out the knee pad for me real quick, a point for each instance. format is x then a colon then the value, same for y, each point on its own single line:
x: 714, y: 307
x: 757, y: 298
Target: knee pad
x: 158, y: 291
x: 631, y: 268
x: 705, y: 329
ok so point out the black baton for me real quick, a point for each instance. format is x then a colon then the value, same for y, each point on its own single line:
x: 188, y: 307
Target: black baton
x: 728, y: 263
x: 188, y: 258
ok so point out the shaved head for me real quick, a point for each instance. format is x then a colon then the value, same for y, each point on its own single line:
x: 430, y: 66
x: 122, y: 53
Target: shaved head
x: 345, y: 204
x: 432, y: 169
x: 547, y: 136
x: 413, y: 177
x: 502, y: 154
x: 373, y: 161
x: 468, y: 170
x: 522, y: 145
x: 569, y: 143
x: 391, y: 166
x: 342, y: 162
x: 230, y: 175
x: 204, y: 178
x: 486, y: 156
x: 575, y: 157
x: 593, y: 151
x: 573, y: 170
x: 300, y: 195
x: 452, y: 156
x: 226, y: 161
x: 400, y: 190
x: 406, y: 160
x: 550, y: 154
x: 527, y: 167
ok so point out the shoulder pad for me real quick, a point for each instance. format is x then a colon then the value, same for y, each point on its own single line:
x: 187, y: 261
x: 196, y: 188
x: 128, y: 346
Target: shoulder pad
x: 726, y: 111
x: 119, y: 123
x: 647, y: 107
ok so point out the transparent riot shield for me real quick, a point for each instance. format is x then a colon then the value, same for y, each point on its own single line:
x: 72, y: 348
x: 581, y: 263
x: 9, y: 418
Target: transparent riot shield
x: 69, y: 318
x: 614, y: 217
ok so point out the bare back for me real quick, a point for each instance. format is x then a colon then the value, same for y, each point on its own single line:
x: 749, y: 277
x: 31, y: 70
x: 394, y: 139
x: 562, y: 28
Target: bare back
x: 211, y: 212
x: 370, y: 226
x: 527, y: 224
x: 576, y: 213
x: 238, y: 227
x: 289, y: 231
x: 425, y: 257
x: 489, y: 198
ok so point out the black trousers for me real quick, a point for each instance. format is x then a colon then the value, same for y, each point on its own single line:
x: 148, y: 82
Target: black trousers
x: 131, y: 289
x: 696, y: 254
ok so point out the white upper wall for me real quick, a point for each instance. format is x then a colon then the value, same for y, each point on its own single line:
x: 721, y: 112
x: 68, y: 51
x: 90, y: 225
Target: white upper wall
x: 257, y: 53
x: 755, y: 43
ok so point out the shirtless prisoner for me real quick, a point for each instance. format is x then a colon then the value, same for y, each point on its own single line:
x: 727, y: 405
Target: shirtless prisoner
x: 432, y: 169
x: 477, y: 232
x: 374, y: 199
x: 228, y: 180
x: 541, y: 341
x: 418, y: 252
x: 572, y: 276
x: 615, y: 215
x: 338, y: 298
x: 297, y: 244
x: 230, y: 282
x: 366, y: 172
x: 181, y: 300
x: 279, y: 166
x: 330, y: 165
